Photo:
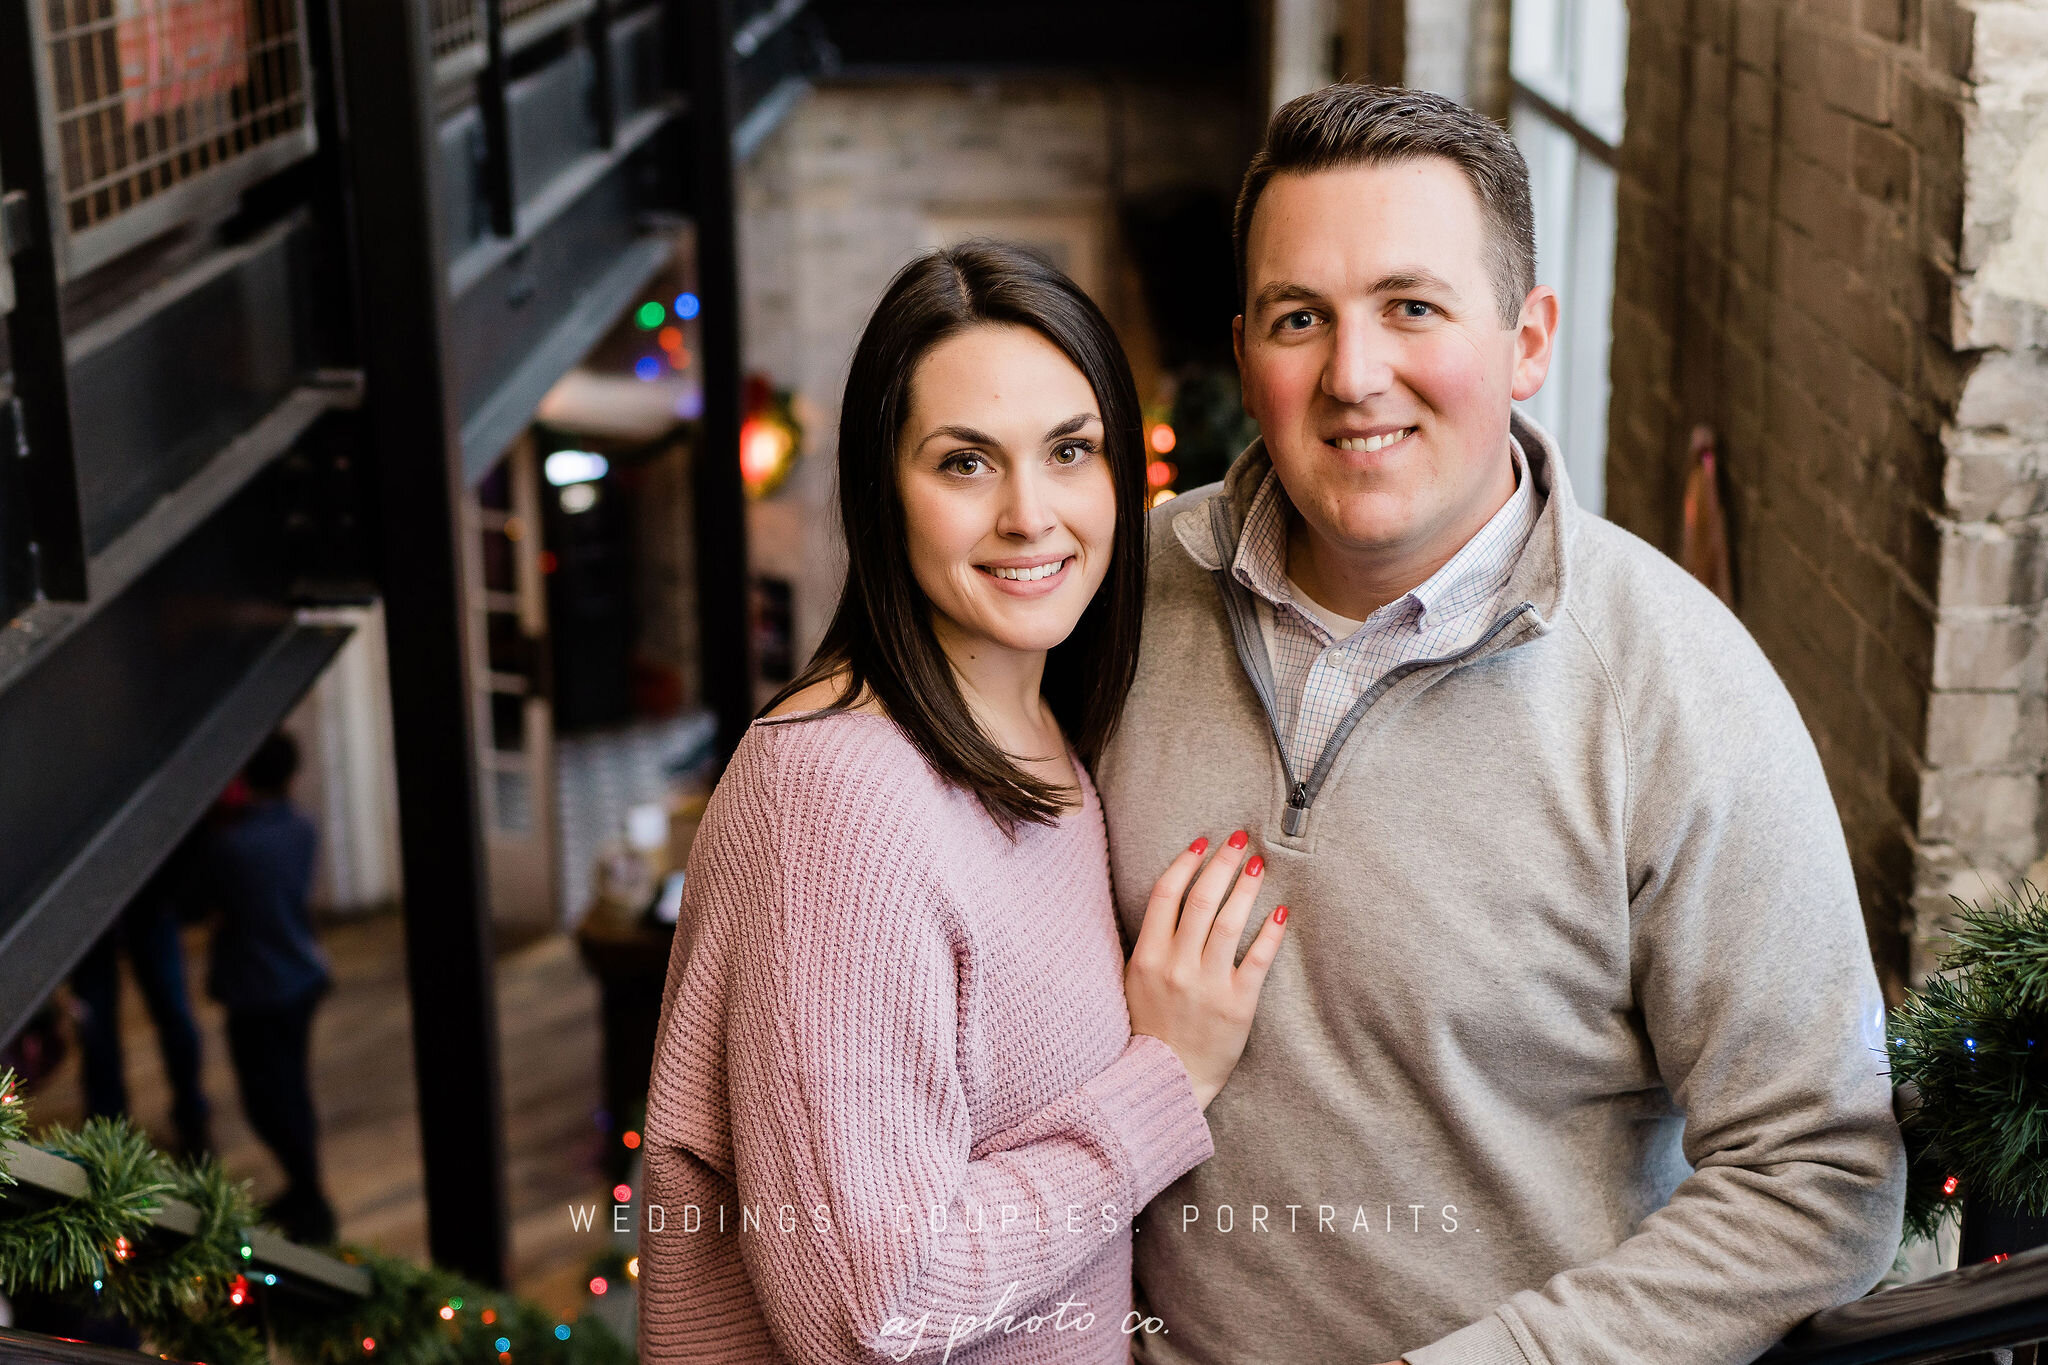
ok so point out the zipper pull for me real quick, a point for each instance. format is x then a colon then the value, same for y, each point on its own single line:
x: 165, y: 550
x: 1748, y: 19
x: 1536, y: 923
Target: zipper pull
x: 1295, y: 818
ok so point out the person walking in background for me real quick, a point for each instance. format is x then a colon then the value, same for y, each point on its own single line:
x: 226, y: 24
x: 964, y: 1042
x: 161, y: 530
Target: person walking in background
x: 149, y: 930
x: 269, y: 971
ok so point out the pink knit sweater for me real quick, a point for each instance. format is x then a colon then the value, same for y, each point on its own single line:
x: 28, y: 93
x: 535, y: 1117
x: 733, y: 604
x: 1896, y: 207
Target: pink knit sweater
x: 897, y: 1111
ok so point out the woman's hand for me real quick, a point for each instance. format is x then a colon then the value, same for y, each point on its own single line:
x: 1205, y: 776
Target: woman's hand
x: 1181, y: 983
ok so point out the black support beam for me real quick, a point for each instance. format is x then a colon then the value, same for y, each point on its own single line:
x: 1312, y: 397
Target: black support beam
x: 721, y: 524
x: 413, y: 428
x: 55, y: 552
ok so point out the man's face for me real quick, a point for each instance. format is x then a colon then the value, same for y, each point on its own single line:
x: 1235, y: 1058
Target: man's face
x: 1372, y: 320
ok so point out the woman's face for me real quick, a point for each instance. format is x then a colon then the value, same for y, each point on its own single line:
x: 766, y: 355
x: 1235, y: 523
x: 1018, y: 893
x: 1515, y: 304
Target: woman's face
x: 1007, y: 496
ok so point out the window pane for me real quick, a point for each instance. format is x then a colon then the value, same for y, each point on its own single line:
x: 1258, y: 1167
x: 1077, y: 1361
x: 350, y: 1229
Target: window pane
x: 509, y: 648
x: 508, y: 722
x: 1535, y: 47
x: 1587, y: 330
x: 512, y: 800
x: 1551, y: 153
x: 1599, y: 65
x: 501, y: 573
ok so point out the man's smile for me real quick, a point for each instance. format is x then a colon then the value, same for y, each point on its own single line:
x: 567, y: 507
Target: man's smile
x: 1368, y: 444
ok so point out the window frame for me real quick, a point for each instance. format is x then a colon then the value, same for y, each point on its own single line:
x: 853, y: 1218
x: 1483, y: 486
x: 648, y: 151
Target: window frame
x: 1585, y: 281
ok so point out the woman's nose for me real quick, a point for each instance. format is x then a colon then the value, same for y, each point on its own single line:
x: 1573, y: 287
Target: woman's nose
x: 1027, y: 511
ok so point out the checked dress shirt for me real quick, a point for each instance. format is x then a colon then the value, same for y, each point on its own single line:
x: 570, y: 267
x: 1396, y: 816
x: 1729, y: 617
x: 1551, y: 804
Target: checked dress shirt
x: 1318, y: 677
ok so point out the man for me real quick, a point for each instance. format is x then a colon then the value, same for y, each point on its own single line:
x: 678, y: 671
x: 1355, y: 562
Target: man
x: 1573, y: 1053
x: 269, y: 970
x: 150, y: 930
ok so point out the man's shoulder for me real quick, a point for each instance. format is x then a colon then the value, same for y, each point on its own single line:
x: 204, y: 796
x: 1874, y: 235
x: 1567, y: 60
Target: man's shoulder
x: 1677, y: 655
x: 1166, y: 547
x: 1635, y: 598
x: 269, y: 823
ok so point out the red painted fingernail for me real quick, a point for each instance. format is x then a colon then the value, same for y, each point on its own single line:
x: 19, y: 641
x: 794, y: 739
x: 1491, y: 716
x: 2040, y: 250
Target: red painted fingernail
x: 1198, y: 846
x: 1280, y: 914
x: 1240, y: 839
x: 1255, y: 866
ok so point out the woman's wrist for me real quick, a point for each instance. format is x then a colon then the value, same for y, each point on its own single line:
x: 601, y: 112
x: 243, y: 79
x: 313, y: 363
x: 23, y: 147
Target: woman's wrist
x: 1204, y: 1090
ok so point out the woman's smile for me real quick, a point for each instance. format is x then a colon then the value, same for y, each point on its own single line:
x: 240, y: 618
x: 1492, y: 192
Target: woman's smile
x: 1028, y: 578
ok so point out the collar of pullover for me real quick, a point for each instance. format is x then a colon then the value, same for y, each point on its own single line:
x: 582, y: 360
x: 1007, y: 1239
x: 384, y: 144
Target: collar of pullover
x: 1542, y: 576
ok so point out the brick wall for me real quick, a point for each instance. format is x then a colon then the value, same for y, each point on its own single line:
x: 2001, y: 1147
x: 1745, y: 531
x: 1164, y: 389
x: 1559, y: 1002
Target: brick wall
x: 1810, y: 192
x: 1988, y: 724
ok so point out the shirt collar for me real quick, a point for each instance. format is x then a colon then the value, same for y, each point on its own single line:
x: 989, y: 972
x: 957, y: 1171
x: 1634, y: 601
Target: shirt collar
x: 1470, y: 579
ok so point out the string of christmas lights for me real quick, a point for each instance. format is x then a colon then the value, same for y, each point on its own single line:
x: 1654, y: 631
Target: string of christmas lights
x: 198, y: 1299
x: 1966, y: 1049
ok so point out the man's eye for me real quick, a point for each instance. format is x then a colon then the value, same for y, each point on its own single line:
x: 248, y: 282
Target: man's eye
x: 1415, y: 308
x: 1297, y: 320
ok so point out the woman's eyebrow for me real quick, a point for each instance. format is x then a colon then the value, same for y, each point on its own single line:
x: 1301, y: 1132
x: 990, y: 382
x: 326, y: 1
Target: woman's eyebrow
x: 1071, y: 425
x: 967, y: 434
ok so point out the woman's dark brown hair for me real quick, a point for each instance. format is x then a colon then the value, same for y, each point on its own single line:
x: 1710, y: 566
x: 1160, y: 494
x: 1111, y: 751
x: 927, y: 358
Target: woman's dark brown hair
x: 881, y: 636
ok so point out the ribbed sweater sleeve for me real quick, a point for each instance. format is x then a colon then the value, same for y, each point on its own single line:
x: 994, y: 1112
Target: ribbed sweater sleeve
x: 849, y: 974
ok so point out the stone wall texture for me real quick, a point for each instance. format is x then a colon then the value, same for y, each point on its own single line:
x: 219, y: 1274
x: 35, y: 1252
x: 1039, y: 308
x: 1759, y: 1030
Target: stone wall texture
x: 1831, y: 249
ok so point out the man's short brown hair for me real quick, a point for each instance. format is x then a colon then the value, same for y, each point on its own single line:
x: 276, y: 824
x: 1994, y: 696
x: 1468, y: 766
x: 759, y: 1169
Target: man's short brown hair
x: 1372, y: 125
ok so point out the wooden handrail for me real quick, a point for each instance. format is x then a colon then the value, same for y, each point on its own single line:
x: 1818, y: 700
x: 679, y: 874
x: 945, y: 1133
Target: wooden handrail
x: 1976, y: 1308
x: 45, y: 1178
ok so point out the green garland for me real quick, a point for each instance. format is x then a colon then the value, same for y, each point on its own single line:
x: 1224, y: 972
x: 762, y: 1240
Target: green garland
x: 1973, y: 1046
x: 13, y: 1121
x: 193, y: 1299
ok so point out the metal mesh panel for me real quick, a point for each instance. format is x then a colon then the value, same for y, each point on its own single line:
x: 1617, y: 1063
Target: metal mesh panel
x: 149, y: 94
x: 456, y: 24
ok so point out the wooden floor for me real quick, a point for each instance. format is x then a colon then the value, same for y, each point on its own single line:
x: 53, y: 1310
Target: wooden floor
x: 364, y: 1094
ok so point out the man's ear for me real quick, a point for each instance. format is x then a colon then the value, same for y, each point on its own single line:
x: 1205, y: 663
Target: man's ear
x: 1535, y: 338
x: 1237, y: 346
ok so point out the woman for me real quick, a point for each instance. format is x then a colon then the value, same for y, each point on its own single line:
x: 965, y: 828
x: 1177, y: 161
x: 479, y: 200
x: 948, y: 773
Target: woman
x: 898, y: 1108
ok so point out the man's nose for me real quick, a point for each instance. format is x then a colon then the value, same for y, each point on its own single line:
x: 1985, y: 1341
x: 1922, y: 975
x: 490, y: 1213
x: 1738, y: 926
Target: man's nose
x: 1026, y: 512
x: 1360, y: 365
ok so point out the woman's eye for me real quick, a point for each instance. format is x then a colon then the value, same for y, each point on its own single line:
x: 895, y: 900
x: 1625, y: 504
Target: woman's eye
x: 964, y: 464
x: 1071, y: 452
